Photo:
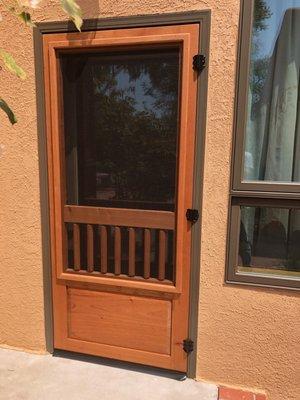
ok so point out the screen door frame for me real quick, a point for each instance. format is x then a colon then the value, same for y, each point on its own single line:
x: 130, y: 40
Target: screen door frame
x: 201, y: 17
x: 157, y: 37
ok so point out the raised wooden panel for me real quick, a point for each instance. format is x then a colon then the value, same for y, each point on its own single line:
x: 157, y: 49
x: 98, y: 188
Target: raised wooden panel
x: 126, y: 321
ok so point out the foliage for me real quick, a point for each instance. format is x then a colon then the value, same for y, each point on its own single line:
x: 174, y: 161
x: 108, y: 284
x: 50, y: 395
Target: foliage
x: 5, y: 107
x: 74, y: 12
x: 259, y: 63
x: 259, y: 69
x: 21, y: 9
x: 26, y: 18
x: 11, y: 65
x: 261, y: 13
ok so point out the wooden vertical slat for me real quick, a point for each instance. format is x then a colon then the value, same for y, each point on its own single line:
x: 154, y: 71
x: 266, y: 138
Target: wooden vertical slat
x: 131, y: 261
x: 90, y: 248
x: 76, y: 245
x: 66, y: 247
x: 162, y: 255
x: 147, y: 253
x: 117, y: 250
x: 103, y: 247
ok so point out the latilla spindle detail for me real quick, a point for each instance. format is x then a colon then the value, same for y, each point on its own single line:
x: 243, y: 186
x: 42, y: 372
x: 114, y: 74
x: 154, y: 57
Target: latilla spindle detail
x: 119, y: 251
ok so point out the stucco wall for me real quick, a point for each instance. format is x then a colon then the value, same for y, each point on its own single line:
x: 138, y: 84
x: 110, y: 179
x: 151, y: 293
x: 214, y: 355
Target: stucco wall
x: 247, y: 336
x: 21, y: 283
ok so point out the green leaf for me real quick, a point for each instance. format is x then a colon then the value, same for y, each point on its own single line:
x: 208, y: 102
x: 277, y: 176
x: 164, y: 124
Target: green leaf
x: 5, y: 107
x: 26, y: 18
x: 11, y: 64
x: 74, y: 12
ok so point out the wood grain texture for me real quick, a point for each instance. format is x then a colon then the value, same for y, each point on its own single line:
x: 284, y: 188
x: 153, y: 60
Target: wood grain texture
x: 58, y: 291
x: 103, y: 249
x: 90, y: 248
x: 76, y: 245
x: 162, y: 255
x: 131, y: 253
x: 139, y: 323
x: 147, y: 253
x: 185, y: 191
x: 122, y: 280
x: 120, y: 217
x: 117, y: 250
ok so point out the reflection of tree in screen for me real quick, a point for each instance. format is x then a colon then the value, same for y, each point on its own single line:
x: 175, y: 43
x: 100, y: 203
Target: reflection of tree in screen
x: 121, y: 126
x: 135, y: 113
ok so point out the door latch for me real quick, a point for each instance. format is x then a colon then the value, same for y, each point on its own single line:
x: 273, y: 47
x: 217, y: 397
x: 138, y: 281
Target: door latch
x: 192, y: 215
x: 199, y: 62
x: 188, y: 345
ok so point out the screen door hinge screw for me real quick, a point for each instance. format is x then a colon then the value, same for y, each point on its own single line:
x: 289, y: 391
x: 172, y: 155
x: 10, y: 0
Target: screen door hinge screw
x: 192, y: 215
x: 188, y: 345
x: 199, y: 62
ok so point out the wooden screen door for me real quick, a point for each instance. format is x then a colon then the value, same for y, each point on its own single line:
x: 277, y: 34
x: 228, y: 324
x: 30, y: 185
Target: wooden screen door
x: 120, y: 108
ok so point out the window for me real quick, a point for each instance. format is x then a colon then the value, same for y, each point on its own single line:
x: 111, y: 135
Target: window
x: 264, y: 232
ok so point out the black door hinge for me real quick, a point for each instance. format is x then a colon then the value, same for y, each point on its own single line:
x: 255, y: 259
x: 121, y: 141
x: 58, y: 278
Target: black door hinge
x: 192, y: 215
x: 199, y: 62
x: 188, y: 346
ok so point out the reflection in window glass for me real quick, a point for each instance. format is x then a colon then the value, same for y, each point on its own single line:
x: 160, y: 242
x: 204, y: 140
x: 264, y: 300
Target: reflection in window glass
x: 272, y: 149
x: 121, y: 128
x: 270, y: 239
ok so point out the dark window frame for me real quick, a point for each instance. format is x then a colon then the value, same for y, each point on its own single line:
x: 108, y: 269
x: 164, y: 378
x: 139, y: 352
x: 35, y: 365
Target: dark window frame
x: 252, y: 193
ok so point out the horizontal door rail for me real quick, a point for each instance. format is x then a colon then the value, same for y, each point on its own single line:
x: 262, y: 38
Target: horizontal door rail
x: 121, y: 276
x: 120, y: 217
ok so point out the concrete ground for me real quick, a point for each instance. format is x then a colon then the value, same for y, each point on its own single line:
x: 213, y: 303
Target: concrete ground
x: 63, y: 376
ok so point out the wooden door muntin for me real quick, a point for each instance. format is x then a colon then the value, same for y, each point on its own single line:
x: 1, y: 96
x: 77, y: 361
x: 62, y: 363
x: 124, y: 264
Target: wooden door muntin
x: 187, y: 36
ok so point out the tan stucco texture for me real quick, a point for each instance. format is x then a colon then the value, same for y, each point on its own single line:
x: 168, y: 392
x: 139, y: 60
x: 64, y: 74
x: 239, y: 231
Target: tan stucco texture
x: 248, y: 337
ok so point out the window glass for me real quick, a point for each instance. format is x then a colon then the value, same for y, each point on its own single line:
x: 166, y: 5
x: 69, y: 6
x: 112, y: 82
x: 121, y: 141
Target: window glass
x: 272, y: 147
x: 121, y: 128
x: 269, y: 240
